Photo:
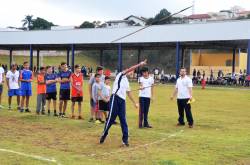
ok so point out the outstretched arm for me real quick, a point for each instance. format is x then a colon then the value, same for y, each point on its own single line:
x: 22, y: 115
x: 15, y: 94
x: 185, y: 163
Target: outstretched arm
x: 132, y: 68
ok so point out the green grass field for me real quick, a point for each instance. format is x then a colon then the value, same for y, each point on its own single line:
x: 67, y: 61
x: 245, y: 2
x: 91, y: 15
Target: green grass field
x: 221, y: 134
x: 51, y: 60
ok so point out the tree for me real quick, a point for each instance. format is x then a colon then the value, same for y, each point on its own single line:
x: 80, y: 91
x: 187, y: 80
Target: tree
x: 160, y: 18
x: 28, y: 21
x: 87, y: 24
x: 41, y: 24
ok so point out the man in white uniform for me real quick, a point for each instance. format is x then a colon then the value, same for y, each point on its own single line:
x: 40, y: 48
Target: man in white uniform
x: 121, y: 88
x: 183, y: 90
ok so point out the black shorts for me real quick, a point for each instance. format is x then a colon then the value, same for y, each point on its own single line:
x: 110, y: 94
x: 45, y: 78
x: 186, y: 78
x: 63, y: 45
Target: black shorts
x: 77, y: 99
x: 103, y: 106
x: 50, y: 96
x: 64, y: 94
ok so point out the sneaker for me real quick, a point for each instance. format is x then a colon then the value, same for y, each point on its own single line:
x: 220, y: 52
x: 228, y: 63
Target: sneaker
x: 179, y: 124
x: 73, y: 117
x: 43, y: 112
x: 10, y: 108
x: 21, y: 110
x: 101, y: 121
x: 80, y: 117
x: 18, y: 108
x: 148, y: 126
x: 125, y: 144
x: 60, y: 114
x: 97, y: 122
x: 102, y: 139
x: 91, y: 120
x: 55, y: 114
x: 63, y: 115
x: 27, y: 110
x: 48, y: 112
x: 37, y: 113
x: 190, y: 126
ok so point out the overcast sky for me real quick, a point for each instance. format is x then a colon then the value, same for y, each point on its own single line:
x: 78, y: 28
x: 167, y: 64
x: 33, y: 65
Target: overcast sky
x: 74, y: 12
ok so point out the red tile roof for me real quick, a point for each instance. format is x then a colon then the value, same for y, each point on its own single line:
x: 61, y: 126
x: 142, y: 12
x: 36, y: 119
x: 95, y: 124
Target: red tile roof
x: 199, y: 16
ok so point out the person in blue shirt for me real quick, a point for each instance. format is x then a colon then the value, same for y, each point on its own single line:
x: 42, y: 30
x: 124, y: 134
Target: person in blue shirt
x: 64, y: 79
x: 51, y: 80
x: 26, y: 77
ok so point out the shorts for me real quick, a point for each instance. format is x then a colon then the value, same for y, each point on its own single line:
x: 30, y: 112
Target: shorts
x: 64, y: 94
x: 92, y: 103
x: 25, y: 92
x: 1, y: 88
x: 103, y: 106
x: 77, y: 99
x: 14, y: 92
x: 50, y: 96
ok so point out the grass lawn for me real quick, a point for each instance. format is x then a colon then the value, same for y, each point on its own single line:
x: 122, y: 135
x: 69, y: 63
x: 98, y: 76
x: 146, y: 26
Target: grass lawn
x: 221, y: 134
x: 51, y: 60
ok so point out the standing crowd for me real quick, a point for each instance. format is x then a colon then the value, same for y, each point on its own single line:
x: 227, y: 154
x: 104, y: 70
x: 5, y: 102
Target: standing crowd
x: 105, y: 103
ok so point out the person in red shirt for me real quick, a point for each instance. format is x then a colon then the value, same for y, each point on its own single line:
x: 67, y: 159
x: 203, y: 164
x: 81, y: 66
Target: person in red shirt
x: 77, y: 93
x: 41, y: 92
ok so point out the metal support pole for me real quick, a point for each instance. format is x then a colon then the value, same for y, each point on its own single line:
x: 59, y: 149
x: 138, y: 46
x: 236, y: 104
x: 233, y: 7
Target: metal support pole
x: 68, y: 53
x: 38, y: 59
x: 248, y: 58
x: 119, y: 57
x: 31, y: 58
x: 233, y: 61
x: 177, y: 57
x: 73, y: 57
x: 101, y: 57
x: 11, y: 58
x: 182, y: 57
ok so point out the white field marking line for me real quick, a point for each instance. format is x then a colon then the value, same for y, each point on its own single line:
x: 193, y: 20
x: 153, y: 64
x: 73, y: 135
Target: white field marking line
x: 31, y: 156
x: 139, y: 146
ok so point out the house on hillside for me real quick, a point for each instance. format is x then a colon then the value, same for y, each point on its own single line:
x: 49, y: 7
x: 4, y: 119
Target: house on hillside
x: 194, y: 18
x: 129, y: 21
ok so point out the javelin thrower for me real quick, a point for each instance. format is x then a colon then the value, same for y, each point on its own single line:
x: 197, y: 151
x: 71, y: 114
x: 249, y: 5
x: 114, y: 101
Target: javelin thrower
x: 121, y: 88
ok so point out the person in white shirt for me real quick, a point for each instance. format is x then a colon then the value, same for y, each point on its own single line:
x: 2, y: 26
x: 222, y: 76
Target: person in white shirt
x: 12, y: 80
x: 1, y: 84
x: 183, y: 90
x: 146, y: 83
x: 121, y: 88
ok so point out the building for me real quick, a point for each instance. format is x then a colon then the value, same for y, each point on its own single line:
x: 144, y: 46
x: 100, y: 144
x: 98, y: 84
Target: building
x: 129, y: 21
x: 116, y: 24
x: 207, y: 60
x: 138, y: 21
x: 195, y: 18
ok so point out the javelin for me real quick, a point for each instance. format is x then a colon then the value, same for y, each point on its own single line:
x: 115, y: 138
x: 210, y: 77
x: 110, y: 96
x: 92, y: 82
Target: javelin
x: 138, y: 89
x: 145, y: 27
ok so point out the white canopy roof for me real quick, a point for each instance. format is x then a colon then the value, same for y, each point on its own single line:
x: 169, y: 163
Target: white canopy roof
x: 212, y: 31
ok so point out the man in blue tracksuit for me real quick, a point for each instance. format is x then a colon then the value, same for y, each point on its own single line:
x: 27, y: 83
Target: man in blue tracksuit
x: 118, y: 105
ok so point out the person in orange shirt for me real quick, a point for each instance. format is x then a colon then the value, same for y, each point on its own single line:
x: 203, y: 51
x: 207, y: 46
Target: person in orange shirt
x: 41, y: 92
x: 77, y: 93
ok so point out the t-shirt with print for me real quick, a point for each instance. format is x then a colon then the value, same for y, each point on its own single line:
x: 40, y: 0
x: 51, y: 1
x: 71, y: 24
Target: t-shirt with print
x: 13, y: 78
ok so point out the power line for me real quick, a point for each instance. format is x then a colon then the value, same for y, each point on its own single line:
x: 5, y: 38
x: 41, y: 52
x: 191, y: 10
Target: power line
x: 147, y: 26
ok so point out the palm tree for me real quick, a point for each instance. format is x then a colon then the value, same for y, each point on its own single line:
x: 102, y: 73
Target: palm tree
x: 27, y: 21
